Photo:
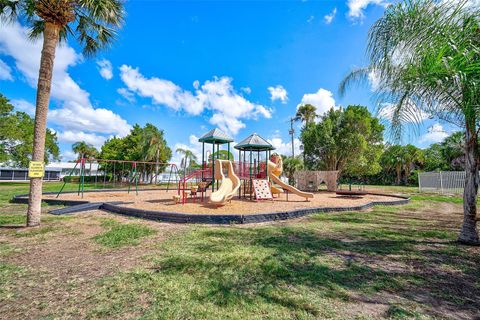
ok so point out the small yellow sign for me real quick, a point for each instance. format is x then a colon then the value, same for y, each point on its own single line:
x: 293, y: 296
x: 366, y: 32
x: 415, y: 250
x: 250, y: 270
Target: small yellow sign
x: 36, y: 169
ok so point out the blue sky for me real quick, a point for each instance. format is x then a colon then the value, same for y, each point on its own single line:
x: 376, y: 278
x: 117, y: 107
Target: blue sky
x: 243, y: 66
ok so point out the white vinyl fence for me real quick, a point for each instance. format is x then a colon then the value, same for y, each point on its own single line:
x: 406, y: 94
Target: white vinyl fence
x: 442, y: 181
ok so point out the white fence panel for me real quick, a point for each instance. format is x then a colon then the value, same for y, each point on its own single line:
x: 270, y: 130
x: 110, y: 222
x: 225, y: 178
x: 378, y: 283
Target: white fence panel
x: 445, y: 182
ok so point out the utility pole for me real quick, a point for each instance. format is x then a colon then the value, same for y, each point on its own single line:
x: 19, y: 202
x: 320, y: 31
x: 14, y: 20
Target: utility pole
x: 292, y: 133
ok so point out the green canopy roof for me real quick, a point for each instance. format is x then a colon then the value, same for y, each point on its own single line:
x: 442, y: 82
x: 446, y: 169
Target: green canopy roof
x: 215, y: 136
x: 255, y: 143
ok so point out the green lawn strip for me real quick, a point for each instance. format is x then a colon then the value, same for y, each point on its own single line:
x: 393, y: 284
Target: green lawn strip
x: 237, y: 273
x: 119, y: 234
x: 8, y: 273
x: 438, y: 198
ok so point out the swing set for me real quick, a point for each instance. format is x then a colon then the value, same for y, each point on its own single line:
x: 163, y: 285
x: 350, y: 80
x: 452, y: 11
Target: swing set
x: 105, y: 173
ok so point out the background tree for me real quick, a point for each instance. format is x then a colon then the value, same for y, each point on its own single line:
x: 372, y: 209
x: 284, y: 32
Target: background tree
x: 392, y: 160
x: 84, y: 150
x: 426, y: 55
x: 16, y: 137
x: 155, y: 148
x: 306, y: 113
x: 187, y: 158
x: 141, y: 144
x: 92, y: 23
x: 434, y: 159
x: 222, y: 155
x: 290, y: 166
x: 412, y: 157
x: 343, y: 139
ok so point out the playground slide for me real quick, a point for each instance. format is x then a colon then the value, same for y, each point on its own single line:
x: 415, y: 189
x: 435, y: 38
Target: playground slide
x: 229, y: 186
x: 273, y: 172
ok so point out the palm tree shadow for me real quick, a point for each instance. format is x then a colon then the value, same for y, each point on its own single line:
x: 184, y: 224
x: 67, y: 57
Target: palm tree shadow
x: 348, y: 268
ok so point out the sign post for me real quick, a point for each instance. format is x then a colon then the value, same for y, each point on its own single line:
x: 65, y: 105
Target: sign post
x: 36, y: 169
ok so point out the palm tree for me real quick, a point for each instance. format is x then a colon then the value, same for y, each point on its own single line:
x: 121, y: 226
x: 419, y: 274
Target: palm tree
x: 290, y: 166
x: 411, y: 156
x: 155, y: 147
x: 426, y: 55
x: 84, y: 150
x: 306, y: 114
x: 188, y: 157
x: 91, y: 22
x: 393, y: 160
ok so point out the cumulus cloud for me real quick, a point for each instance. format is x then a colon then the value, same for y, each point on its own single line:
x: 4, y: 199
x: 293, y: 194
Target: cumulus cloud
x: 329, y: 17
x: 356, y: 7
x: 105, y: 68
x: 285, y: 148
x: 247, y: 90
x: 228, y: 107
x: 5, y: 71
x: 86, y: 118
x: 70, y: 136
x: 278, y: 93
x: 128, y: 95
x: 76, y: 111
x: 68, y: 155
x: 374, y: 80
x: 322, y: 99
x: 24, y: 106
x: 435, y: 133
x: 411, y: 113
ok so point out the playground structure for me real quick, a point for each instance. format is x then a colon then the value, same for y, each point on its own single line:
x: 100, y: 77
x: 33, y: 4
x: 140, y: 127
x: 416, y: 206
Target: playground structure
x: 255, y: 171
x: 174, y: 191
x: 120, y: 173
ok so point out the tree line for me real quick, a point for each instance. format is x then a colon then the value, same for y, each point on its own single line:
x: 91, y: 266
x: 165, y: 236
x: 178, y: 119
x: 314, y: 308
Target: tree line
x: 350, y: 140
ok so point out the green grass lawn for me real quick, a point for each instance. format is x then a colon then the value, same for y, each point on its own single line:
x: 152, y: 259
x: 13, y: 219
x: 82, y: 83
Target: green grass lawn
x: 393, y: 262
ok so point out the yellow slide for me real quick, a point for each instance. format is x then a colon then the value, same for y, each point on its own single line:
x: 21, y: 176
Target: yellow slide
x: 229, y: 186
x: 278, y: 186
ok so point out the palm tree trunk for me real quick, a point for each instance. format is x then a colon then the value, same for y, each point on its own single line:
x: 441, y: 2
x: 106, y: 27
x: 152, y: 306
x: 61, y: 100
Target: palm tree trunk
x: 50, y: 40
x: 469, y: 231
x: 157, y: 156
x: 399, y: 174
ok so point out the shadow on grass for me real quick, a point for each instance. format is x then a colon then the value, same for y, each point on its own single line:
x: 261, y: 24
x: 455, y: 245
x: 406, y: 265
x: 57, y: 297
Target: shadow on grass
x: 304, y: 270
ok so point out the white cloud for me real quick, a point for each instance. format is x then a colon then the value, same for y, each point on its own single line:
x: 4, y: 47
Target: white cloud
x: 310, y: 19
x: 322, y: 99
x: 105, y: 69
x: 247, y: 90
x: 75, y: 136
x: 356, y: 7
x: 435, y: 133
x: 410, y: 114
x: 86, y: 118
x: 285, y: 148
x: 76, y: 112
x: 128, y: 95
x: 5, y: 71
x: 68, y: 155
x: 228, y: 108
x: 374, y: 80
x: 24, y: 106
x: 278, y: 93
x: 329, y: 17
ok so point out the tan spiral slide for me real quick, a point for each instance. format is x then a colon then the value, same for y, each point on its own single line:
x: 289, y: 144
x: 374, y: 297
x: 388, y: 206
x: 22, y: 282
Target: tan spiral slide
x: 229, y: 186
